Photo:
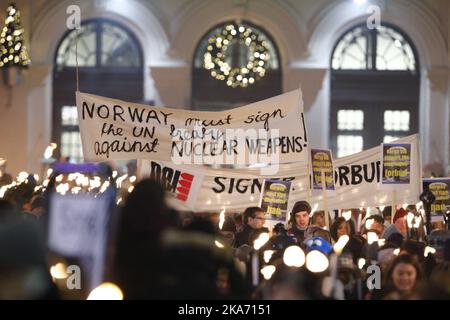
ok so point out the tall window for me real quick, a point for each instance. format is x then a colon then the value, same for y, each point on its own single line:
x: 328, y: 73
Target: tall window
x: 235, y: 63
x: 110, y: 64
x: 374, y: 89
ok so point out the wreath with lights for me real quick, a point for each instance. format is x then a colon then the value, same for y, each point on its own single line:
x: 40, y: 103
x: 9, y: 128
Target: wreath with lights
x: 244, y: 75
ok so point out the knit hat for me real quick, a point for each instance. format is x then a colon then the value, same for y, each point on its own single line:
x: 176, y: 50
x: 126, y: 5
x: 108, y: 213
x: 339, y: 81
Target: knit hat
x: 301, y: 206
x: 318, y: 243
x: 400, y: 213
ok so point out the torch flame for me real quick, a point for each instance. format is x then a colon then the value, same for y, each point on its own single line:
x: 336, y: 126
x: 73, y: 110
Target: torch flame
x: 49, y: 150
x: 221, y: 219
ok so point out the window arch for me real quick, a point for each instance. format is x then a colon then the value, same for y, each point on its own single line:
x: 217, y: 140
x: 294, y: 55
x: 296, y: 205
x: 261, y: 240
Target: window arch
x: 374, y: 88
x: 110, y: 63
x: 234, y: 63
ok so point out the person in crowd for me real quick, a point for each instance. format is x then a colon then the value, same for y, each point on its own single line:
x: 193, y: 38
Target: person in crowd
x: 375, y: 223
x: 293, y: 284
x: 254, y: 219
x: 237, y: 218
x: 413, y: 248
x: 316, y: 231
x: 402, y: 278
x: 138, y: 263
x: 341, y: 227
x: 37, y: 206
x: 5, y: 178
x: 299, y: 220
x: 398, y: 226
x: 279, y: 241
x: 318, y: 219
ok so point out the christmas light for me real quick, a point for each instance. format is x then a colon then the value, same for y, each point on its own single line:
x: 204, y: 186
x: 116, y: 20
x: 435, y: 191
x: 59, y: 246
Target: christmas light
x: 215, y: 57
x: 12, y: 50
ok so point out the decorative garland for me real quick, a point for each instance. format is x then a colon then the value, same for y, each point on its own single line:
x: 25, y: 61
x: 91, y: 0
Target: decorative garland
x: 216, y: 55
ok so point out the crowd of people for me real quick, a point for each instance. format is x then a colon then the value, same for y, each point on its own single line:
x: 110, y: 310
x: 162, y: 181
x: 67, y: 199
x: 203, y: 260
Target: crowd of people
x: 155, y: 252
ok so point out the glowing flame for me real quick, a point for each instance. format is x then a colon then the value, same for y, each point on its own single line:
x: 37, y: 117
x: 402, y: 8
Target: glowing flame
x: 268, y: 271
x: 417, y: 221
x: 221, y: 219
x: 396, y: 251
x: 106, y: 291
x: 347, y: 215
x: 294, y: 257
x: 372, y: 237
x: 409, y: 219
x: 22, y: 177
x: 120, y: 180
x: 48, y: 153
x: 58, y: 271
x: 361, y: 263
x: 314, y: 209
x: 369, y: 224
x: 262, y: 239
x: 267, y: 255
x: 429, y: 250
x: 219, y: 244
x: 316, y: 261
x: 341, y: 243
x: 62, y: 188
x: 418, y: 205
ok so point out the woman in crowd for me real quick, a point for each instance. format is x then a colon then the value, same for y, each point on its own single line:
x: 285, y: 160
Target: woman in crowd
x: 341, y: 227
x: 402, y: 278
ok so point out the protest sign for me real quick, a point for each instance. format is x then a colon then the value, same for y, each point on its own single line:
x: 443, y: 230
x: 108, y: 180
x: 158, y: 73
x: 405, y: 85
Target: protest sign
x: 269, y: 131
x: 275, y: 198
x: 322, y: 164
x: 78, y: 228
x: 440, y: 187
x: 396, y: 163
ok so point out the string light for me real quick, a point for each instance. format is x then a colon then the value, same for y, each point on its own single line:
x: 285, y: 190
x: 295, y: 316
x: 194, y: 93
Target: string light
x: 12, y: 50
x: 243, y: 75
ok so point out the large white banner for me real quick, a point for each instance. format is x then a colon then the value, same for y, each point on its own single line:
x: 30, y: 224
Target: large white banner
x: 357, y: 180
x: 269, y: 131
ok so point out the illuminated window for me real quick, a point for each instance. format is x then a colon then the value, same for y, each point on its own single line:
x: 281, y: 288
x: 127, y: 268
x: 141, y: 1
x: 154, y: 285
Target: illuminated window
x: 71, y: 146
x: 379, y: 49
x: 396, y: 120
x: 69, y: 116
x: 110, y: 64
x: 350, y: 120
x: 348, y: 145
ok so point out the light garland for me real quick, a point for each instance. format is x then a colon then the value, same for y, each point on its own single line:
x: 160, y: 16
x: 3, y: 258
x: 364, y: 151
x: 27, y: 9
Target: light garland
x: 218, y: 52
x: 12, y: 50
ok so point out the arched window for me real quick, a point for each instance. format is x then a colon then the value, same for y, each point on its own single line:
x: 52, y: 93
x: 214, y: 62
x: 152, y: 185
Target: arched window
x: 235, y: 63
x: 110, y: 63
x: 374, y: 88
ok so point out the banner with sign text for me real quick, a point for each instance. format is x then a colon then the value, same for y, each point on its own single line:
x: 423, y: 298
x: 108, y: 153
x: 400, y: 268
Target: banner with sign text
x: 357, y: 182
x: 268, y: 131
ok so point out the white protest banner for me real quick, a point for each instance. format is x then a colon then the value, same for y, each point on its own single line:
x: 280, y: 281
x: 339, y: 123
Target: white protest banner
x: 357, y: 183
x: 269, y: 131
x: 182, y: 185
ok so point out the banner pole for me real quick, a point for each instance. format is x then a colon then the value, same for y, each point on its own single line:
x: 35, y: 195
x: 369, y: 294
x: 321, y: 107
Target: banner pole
x: 394, y: 205
x: 324, y: 191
